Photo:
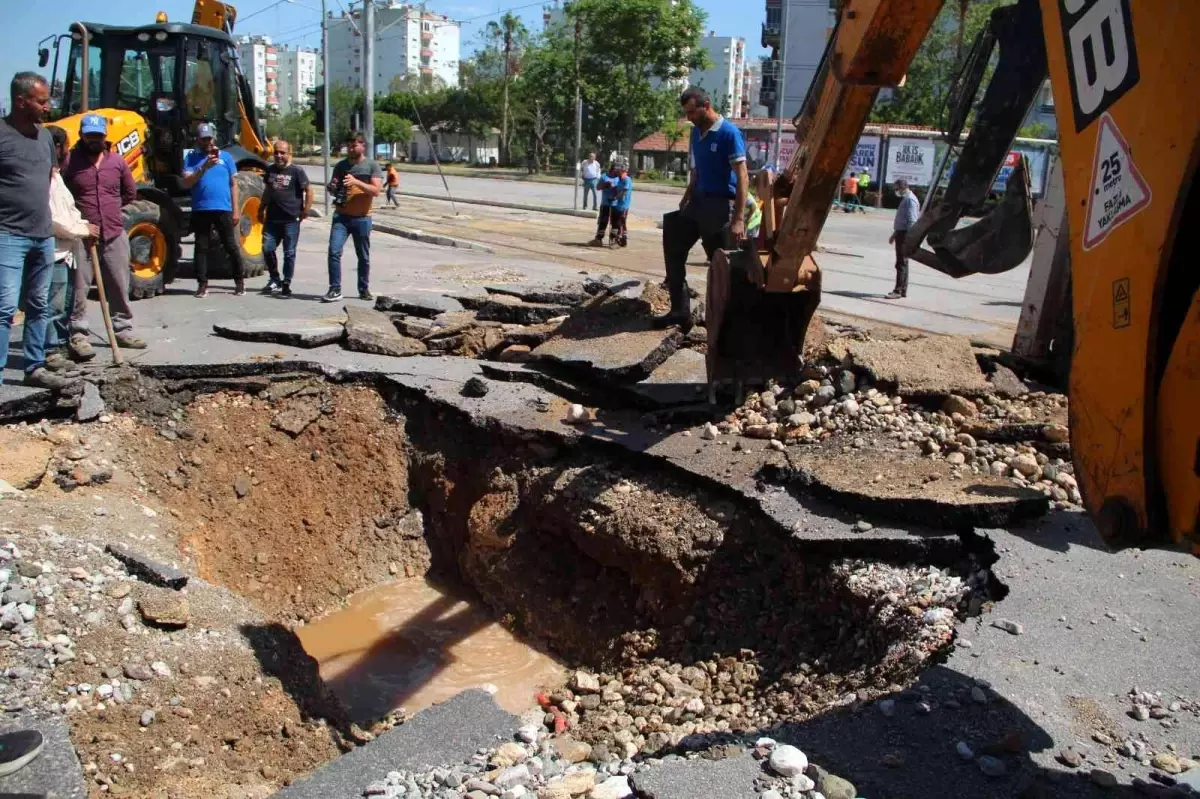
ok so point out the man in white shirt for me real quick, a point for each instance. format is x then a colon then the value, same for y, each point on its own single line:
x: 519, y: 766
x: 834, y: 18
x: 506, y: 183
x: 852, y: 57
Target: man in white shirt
x: 70, y: 230
x: 589, y: 170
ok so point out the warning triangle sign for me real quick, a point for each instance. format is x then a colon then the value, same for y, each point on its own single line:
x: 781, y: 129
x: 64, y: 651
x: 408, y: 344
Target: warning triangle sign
x: 1118, y: 189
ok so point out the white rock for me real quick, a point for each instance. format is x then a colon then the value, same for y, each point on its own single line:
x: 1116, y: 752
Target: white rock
x: 771, y: 794
x: 585, y: 683
x: 788, y: 761
x: 161, y: 669
x: 529, y: 733
x: 709, y: 432
x: 510, y: 777
x: 577, y: 414
x: 764, y: 743
x: 105, y: 690
x: 801, y: 782
x: 612, y: 788
x: 27, y: 611
x: 964, y: 751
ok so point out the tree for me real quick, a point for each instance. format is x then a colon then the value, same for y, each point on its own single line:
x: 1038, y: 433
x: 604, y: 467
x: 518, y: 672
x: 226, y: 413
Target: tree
x: 392, y: 129
x: 508, y: 33
x: 1036, y: 130
x: 417, y: 83
x: 674, y: 131
x: 922, y: 99
x: 636, y: 42
x: 344, y: 103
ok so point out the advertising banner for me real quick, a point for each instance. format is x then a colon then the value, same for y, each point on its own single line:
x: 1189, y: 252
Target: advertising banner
x: 911, y: 160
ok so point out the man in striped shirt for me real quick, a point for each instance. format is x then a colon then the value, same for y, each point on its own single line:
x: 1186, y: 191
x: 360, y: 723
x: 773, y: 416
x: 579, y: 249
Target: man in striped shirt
x: 906, y: 216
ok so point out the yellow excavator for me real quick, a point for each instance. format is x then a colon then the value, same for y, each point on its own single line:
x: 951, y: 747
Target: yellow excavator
x: 155, y: 84
x: 1129, y: 133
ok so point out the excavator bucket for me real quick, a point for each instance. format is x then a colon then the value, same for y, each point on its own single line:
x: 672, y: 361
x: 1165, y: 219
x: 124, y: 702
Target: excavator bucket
x: 996, y: 243
x: 1002, y: 239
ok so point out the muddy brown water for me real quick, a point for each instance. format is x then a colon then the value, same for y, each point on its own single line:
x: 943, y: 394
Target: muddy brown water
x: 412, y: 643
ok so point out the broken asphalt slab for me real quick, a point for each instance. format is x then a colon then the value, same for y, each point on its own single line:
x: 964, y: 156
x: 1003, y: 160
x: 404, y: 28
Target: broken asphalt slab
x: 444, y: 734
x: 305, y: 333
x: 55, y: 773
x: 628, y: 355
x: 147, y: 569
x: 371, y: 331
x: 513, y: 310
x: 558, y: 294
x: 425, y: 304
x: 22, y: 402
x: 919, y: 366
x: 681, y: 379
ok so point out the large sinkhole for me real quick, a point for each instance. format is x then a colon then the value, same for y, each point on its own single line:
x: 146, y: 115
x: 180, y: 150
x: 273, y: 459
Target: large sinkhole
x: 417, y: 551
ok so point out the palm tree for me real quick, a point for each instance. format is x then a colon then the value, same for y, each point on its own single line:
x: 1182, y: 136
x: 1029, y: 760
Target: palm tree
x: 511, y: 31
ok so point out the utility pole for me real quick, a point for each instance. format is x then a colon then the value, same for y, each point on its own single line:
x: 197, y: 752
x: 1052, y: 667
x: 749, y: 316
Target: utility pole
x: 325, y: 98
x: 369, y: 75
x: 780, y: 87
x: 578, y: 114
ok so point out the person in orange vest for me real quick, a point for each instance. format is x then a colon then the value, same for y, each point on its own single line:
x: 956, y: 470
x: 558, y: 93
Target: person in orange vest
x: 393, y: 183
x: 850, y: 192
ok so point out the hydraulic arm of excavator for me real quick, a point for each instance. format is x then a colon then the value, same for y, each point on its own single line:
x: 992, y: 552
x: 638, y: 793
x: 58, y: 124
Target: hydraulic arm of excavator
x: 222, y: 16
x: 1130, y: 148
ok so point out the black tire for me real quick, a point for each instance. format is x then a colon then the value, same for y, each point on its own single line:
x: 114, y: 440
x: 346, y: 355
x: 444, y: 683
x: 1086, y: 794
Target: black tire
x: 250, y: 191
x: 153, y: 248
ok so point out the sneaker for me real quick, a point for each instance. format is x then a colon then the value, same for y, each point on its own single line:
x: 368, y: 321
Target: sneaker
x: 333, y: 295
x: 366, y: 295
x: 895, y: 295
x: 272, y: 286
x: 239, y: 288
x: 57, y: 362
x: 128, y: 341
x: 596, y: 242
x: 285, y: 289
x: 79, y: 348
x: 42, y: 377
x: 18, y: 748
x: 202, y: 291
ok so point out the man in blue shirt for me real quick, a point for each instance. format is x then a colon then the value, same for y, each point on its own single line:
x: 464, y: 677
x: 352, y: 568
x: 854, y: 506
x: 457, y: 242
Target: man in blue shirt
x: 906, y: 216
x: 209, y: 172
x: 616, y: 197
x: 714, y: 203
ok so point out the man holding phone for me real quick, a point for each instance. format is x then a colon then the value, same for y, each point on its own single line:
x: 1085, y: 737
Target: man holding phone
x: 209, y: 173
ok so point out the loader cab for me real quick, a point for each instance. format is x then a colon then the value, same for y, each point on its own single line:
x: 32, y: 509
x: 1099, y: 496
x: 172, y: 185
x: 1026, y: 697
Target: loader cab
x: 174, y: 76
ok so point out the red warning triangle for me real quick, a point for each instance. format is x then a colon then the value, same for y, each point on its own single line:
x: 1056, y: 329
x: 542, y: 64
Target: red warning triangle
x: 1118, y: 189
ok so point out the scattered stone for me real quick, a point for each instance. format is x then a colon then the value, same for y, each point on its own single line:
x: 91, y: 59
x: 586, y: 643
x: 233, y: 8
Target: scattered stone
x: 612, y: 788
x: 846, y: 382
x: 164, y: 609
x: 475, y: 387
x: 964, y: 750
x: 571, y: 750
x: 788, y: 761
x: 91, y: 404
x: 148, y: 570
x: 709, y: 432
x: 426, y: 305
x: 1105, y: 779
x: 1006, y: 383
x: 147, y: 718
x: 516, y: 353
x: 577, y: 414
x: 1140, y: 713
x: 242, y: 485
x: 583, y: 682
x: 960, y: 405
x: 1070, y: 758
x: 1010, y: 627
x: 991, y: 766
x: 831, y: 785
x: 863, y: 526
x: 1166, y: 761
x: 978, y: 695
x: 138, y: 671
x: 296, y: 417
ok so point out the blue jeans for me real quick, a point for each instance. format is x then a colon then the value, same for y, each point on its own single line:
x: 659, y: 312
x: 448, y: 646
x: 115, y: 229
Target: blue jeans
x: 29, y: 262
x: 589, y: 186
x: 359, y: 229
x: 275, y: 232
x: 62, y: 302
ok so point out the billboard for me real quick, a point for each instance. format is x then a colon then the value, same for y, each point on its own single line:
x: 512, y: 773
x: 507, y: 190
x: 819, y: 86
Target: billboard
x: 865, y: 157
x: 910, y: 160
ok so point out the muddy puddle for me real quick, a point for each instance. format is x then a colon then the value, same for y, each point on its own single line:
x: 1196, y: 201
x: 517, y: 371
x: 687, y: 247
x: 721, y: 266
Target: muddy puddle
x: 412, y: 643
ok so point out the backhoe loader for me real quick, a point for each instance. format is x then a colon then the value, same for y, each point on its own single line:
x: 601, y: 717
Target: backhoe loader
x: 155, y: 84
x: 1130, y: 148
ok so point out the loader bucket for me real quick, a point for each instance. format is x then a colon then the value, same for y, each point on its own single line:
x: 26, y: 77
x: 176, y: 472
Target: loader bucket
x: 755, y: 335
x: 996, y: 243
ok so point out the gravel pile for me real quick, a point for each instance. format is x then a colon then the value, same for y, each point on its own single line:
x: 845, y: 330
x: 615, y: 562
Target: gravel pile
x: 836, y: 406
x: 534, y: 767
x: 877, y: 626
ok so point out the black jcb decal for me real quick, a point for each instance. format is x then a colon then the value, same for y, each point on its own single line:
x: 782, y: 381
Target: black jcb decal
x: 1101, y: 57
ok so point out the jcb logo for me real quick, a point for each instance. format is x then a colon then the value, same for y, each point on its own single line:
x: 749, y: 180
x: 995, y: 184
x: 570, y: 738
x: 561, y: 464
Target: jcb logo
x: 128, y: 143
x: 1101, y: 57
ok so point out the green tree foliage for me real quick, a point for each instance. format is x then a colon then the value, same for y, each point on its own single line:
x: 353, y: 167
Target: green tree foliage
x: 344, y: 103
x: 392, y: 129
x: 296, y: 127
x: 922, y: 99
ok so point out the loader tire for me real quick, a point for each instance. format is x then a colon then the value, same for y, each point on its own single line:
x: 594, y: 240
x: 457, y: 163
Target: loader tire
x: 153, y: 248
x: 249, y: 232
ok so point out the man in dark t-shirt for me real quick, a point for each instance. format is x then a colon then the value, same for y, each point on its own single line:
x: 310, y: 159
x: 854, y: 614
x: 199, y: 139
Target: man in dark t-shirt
x: 287, y: 198
x: 27, y: 157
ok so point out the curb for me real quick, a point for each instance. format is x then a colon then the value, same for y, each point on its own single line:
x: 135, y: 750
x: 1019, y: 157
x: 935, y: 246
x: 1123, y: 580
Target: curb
x: 429, y: 238
x: 545, y: 209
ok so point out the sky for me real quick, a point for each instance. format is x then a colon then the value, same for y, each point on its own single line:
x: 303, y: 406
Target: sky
x: 295, y: 22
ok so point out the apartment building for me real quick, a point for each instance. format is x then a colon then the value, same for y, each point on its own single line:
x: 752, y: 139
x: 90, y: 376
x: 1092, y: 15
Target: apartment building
x: 259, y: 59
x: 809, y: 23
x: 299, y: 71
x: 409, y: 41
x: 724, y: 79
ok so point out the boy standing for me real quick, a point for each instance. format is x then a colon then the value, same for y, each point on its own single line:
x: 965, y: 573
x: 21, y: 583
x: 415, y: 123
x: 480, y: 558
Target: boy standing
x: 616, y: 197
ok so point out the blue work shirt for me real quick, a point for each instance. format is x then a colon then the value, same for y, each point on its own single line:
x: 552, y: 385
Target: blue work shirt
x: 609, y: 186
x: 211, y: 192
x: 713, y: 155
